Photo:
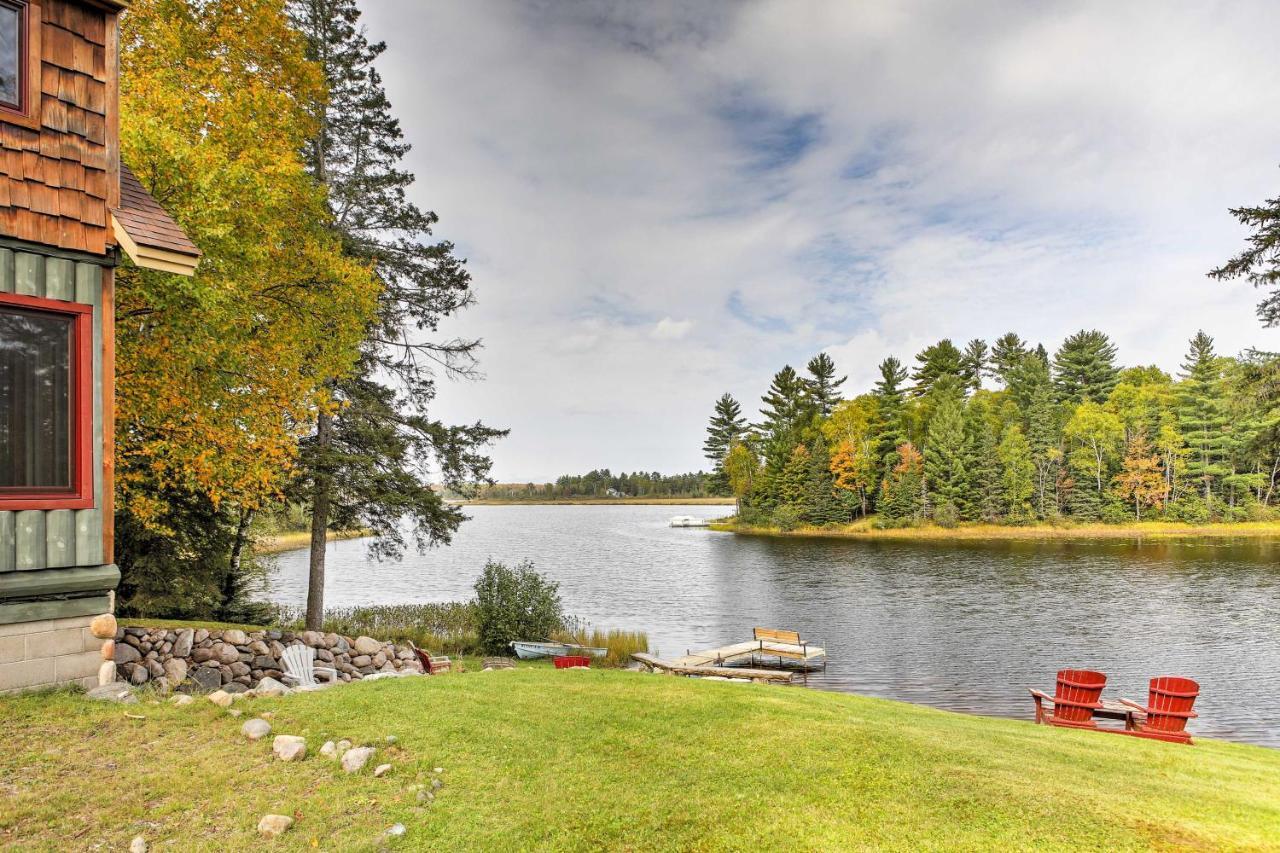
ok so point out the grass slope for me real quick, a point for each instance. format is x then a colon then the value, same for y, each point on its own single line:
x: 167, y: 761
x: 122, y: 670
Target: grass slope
x: 864, y: 529
x: 538, y: 758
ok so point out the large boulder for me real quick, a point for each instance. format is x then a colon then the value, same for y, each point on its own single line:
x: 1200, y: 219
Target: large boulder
x: 175, y: 671
x: 226, y: 653
x: 208, y: 678
x: 367, y: 646
x: 117, y: 692
x: 123, y: 653
x: 182, y: 645
x: 235, y: 637
x: 103, y: 627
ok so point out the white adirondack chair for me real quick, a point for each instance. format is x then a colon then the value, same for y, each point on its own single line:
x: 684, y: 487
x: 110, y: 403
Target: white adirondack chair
x: 301, y: 670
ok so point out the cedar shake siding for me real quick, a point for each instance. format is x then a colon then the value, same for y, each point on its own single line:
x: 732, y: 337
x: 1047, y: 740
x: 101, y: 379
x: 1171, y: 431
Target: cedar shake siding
x: 59, y: 177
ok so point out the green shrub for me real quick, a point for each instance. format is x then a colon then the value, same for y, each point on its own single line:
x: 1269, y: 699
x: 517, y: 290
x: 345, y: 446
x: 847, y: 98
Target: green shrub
x: 786, y: 517
x: 515, y: 604
x: 946, y: 515
x: 1116, y: 512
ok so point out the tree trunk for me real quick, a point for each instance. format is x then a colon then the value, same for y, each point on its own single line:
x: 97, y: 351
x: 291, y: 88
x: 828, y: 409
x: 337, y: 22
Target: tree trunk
x: 320, y: 499
x: 237, y: 552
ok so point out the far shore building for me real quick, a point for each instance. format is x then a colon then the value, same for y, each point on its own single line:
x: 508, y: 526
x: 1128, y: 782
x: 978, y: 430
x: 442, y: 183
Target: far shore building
x: 68, y: 208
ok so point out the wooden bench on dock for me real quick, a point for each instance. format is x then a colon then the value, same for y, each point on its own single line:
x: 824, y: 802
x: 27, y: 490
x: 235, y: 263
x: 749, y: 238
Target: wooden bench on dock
x: 760, y: 676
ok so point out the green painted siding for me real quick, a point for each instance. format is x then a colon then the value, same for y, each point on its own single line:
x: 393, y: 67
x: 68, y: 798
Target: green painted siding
x: 36, y: 540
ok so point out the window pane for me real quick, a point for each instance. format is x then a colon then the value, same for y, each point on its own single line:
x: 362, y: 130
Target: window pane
x: 10, y: 55
x: 35, y: 400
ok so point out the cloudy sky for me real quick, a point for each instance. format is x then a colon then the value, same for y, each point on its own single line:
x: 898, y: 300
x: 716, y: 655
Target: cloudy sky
x: 664, y: 202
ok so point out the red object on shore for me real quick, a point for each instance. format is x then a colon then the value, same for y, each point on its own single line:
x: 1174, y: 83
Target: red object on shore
x: 1076, y: 696
x: 432, y: 665
x: 566, y: 661
x: 1169, y: 703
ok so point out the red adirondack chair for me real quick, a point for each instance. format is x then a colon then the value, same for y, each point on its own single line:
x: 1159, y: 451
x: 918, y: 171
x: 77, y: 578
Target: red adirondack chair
x: 1075, y: 697
x: 1167, y: 710
x: 432, y: 664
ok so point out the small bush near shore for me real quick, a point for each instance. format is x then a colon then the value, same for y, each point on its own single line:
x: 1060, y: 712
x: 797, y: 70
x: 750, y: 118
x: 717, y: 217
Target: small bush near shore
x: 450, y: 628
x: 515, y: 604
x: 621, y: 644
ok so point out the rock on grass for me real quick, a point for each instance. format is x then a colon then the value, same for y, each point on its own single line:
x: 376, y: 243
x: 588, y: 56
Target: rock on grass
x: 289, y: 747
x: 272, y: 825
x: 255, y: 729
x: 354, y: 760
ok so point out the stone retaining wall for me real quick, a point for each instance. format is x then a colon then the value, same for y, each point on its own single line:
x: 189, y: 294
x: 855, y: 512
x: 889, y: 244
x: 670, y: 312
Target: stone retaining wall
x: 235, y: 661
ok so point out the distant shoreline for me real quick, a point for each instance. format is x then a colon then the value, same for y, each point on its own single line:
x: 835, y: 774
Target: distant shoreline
x: 970, y: 532
x: 601, y: 502
x: 295, y: 540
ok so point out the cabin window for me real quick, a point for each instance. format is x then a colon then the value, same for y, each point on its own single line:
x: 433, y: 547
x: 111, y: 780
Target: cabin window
x: 45, y: 400
x: 13, y: 44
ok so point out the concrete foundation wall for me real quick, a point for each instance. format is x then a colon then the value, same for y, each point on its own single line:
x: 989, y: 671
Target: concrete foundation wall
x: 48, y: 653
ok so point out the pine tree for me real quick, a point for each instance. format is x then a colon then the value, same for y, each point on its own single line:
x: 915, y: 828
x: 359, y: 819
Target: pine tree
x: 1028, y: 377
x: 793, y: 482
x: 821, y: 505
x: 1018, y: 474
x: 900, y: 498
x: 365, y: 467
x: 946, y: 456
x: 936, y: 361
x: 890, y: 432
x: 1005, y: 355
x: 787, y: 410
x: 1259, y: 264
x: 1044, y: 435
x: 1084, y: 368
x: 1202, y: 418
x: 976, y: 361
x: 1140, y: 479
x: 727, y: 426
x: 824, y: 388
x: 983, y: 500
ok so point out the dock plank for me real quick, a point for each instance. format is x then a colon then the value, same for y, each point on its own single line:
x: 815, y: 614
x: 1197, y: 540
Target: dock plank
x: 722, y: 671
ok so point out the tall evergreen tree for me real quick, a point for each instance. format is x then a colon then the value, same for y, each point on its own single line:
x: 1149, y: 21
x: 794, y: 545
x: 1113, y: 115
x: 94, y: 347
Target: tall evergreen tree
x: 890, y: 431
x: 824, y: 388
x: 367, y: 464
x: 821, y: 505
x: 1044, y: 435
x: 946, y: 455
x: 727, y: 427
x: 1202, y: 417
x: 983, y: 500
x: 976, y: 361
x: 1084, y: 367
x: 1006, y: 354
x: 936, y: 361
x: 903, y: 487
x: 1259, y: 264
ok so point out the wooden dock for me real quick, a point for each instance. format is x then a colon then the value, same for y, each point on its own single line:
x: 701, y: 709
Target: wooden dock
x: 760, y: 676
x: 785, y: 646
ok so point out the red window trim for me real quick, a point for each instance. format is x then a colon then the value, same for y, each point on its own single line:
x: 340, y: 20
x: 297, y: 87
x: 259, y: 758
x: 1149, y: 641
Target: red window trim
x: 31, y: 23
x: 80, y: 496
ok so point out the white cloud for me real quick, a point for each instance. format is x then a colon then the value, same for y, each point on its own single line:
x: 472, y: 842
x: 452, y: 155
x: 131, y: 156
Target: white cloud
x: 667, y: 329
x: 712, y: 190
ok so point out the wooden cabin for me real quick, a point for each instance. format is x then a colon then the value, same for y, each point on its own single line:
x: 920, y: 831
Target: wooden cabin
x: 68, y: 209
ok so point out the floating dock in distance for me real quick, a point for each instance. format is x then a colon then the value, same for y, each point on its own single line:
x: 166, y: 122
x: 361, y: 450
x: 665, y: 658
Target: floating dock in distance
x: 785, y: 646
x: 689, y: 521
x: 760, y: 676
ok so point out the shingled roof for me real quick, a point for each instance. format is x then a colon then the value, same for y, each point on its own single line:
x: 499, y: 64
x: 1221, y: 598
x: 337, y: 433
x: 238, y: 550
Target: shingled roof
x: 148, y: 235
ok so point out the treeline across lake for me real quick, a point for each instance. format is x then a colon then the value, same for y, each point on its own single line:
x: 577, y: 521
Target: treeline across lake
x: 1009, y: 434
x: 604, y: 484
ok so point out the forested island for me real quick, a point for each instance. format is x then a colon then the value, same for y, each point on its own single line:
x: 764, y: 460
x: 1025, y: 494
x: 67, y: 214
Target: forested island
x: 1009, y: 435
x: 603, y: 486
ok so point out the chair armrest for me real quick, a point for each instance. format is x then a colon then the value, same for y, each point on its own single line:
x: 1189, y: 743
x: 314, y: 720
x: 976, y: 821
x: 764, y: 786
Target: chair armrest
x: 286, y: 678
x: 331, y: 673
x: 1152, y: 713
x: 1038, y: 695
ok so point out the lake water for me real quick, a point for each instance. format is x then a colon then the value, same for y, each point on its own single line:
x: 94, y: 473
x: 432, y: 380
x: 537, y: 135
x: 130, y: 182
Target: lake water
x: 966, y: 627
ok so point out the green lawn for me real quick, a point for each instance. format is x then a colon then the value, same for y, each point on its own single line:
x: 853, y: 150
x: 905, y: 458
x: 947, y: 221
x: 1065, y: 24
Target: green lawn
x: 538, y: 758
